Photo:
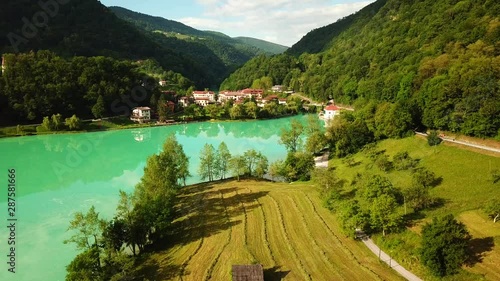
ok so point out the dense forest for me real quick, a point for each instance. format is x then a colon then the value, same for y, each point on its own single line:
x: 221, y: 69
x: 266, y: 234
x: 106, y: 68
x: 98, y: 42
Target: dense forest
x: 436, y: 61
x: 40, y: 84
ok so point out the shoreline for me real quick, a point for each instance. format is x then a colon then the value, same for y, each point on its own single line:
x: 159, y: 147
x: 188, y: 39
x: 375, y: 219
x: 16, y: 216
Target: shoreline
x: 131, y: 126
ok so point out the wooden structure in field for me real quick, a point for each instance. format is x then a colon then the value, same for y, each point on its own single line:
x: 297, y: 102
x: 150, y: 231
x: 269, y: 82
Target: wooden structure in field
x: 253, y: 272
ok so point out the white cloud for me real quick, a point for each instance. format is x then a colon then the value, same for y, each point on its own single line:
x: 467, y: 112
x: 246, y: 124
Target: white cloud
x: 280, y: 21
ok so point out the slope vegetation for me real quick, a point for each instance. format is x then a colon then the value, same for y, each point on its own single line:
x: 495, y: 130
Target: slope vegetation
x: 438, y: 60
x: 280, y: 226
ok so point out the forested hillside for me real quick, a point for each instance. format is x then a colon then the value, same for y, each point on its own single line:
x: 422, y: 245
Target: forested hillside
x: 264, y: 45
x: 232, y: 51
x: 436, y: 61
x: 87, y: 28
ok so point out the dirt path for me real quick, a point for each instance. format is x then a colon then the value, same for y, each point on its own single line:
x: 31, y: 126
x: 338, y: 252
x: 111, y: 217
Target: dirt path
x: 385, y: 257
x: 453, y: 140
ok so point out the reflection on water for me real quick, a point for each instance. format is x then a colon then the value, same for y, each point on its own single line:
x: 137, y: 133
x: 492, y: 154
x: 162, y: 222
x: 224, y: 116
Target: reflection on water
x: 61, y: 174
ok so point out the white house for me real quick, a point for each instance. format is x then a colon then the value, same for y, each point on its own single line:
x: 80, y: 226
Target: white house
x: 202, y: 101
x: 163, y: 83
x: 277, y: 88
x: 331, y: 111
x: 204, y: 95
x: 141, y: 114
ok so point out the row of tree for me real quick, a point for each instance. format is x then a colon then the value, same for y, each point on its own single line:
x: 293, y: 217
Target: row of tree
x: 215, y: 164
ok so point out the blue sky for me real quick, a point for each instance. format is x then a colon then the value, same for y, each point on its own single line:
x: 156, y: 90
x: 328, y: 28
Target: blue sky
x: 279, y: 21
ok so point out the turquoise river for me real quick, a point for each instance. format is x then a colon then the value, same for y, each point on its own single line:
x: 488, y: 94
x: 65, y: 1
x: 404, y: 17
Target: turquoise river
x: 58, y: 175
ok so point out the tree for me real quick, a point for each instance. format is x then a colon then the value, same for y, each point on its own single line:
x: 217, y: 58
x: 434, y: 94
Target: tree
x: 89, y: 228
x: 98, y: 109
x: 73, y: 122
x: 84, y: 267
x: 444, y: 245
x: 162, y: 109
x: 316, y: 139
x: 417, y: 197
x: 153, y: 102
x: 207, y: 168
x: 154, y: 195
x: 291, y: 139
x: 298, y: 166
x: 213, y: 110
x: 403, y: 161
x: 236, y: 112
x: 433, y: 138
x: 261, y: 166
x: 251, y: 109
x: 251, y: 157
x: 492, y: 209
x: 56, y: 121
x: 88, y: 237
x: 47, y: 124
x: 424, y: 177
x: 277, y: 169
x: 238, y: 165
x: 383, y: 214
x: 383, y: 163
x: 223, y: 157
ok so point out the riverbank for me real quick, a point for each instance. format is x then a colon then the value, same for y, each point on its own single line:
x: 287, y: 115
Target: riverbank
x: 110, y: 124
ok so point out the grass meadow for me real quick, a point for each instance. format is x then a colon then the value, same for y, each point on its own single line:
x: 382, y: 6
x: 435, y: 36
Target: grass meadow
x: 465, y: 186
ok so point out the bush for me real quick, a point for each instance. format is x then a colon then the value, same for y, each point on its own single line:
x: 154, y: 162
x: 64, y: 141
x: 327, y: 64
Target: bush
x: 424, y: 177
x: 403, y: 161
x: 433, y: 138
x: 495, y: 175
x: 41, y: 129
x: 383, y: 163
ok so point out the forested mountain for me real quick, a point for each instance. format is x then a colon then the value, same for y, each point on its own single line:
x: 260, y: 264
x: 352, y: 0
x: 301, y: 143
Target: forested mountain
x: 264, y: 45
x: 87, y: 28
x: 232, y: 51
x: 435, y: 61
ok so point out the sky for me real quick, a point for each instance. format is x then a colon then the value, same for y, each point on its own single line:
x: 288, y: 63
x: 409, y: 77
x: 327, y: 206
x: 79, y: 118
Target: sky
x: 279, y: 21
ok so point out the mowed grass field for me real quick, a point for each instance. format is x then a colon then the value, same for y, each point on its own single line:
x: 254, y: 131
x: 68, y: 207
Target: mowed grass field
x: 281, y: 226
x: 466, y: 186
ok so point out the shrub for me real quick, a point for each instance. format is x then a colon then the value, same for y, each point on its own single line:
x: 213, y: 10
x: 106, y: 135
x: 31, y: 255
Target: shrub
x: 403, y: 161
x: 433, y: 138
x: 383, y: 163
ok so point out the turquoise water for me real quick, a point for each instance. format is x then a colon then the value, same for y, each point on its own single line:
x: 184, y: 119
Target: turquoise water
x: 58, y: 175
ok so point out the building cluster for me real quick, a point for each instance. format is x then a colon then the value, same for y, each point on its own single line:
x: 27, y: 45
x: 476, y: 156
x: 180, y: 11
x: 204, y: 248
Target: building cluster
x: 204, y: 98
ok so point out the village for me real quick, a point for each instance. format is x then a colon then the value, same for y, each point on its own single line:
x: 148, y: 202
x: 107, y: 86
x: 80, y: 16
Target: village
x: 175, y: 104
